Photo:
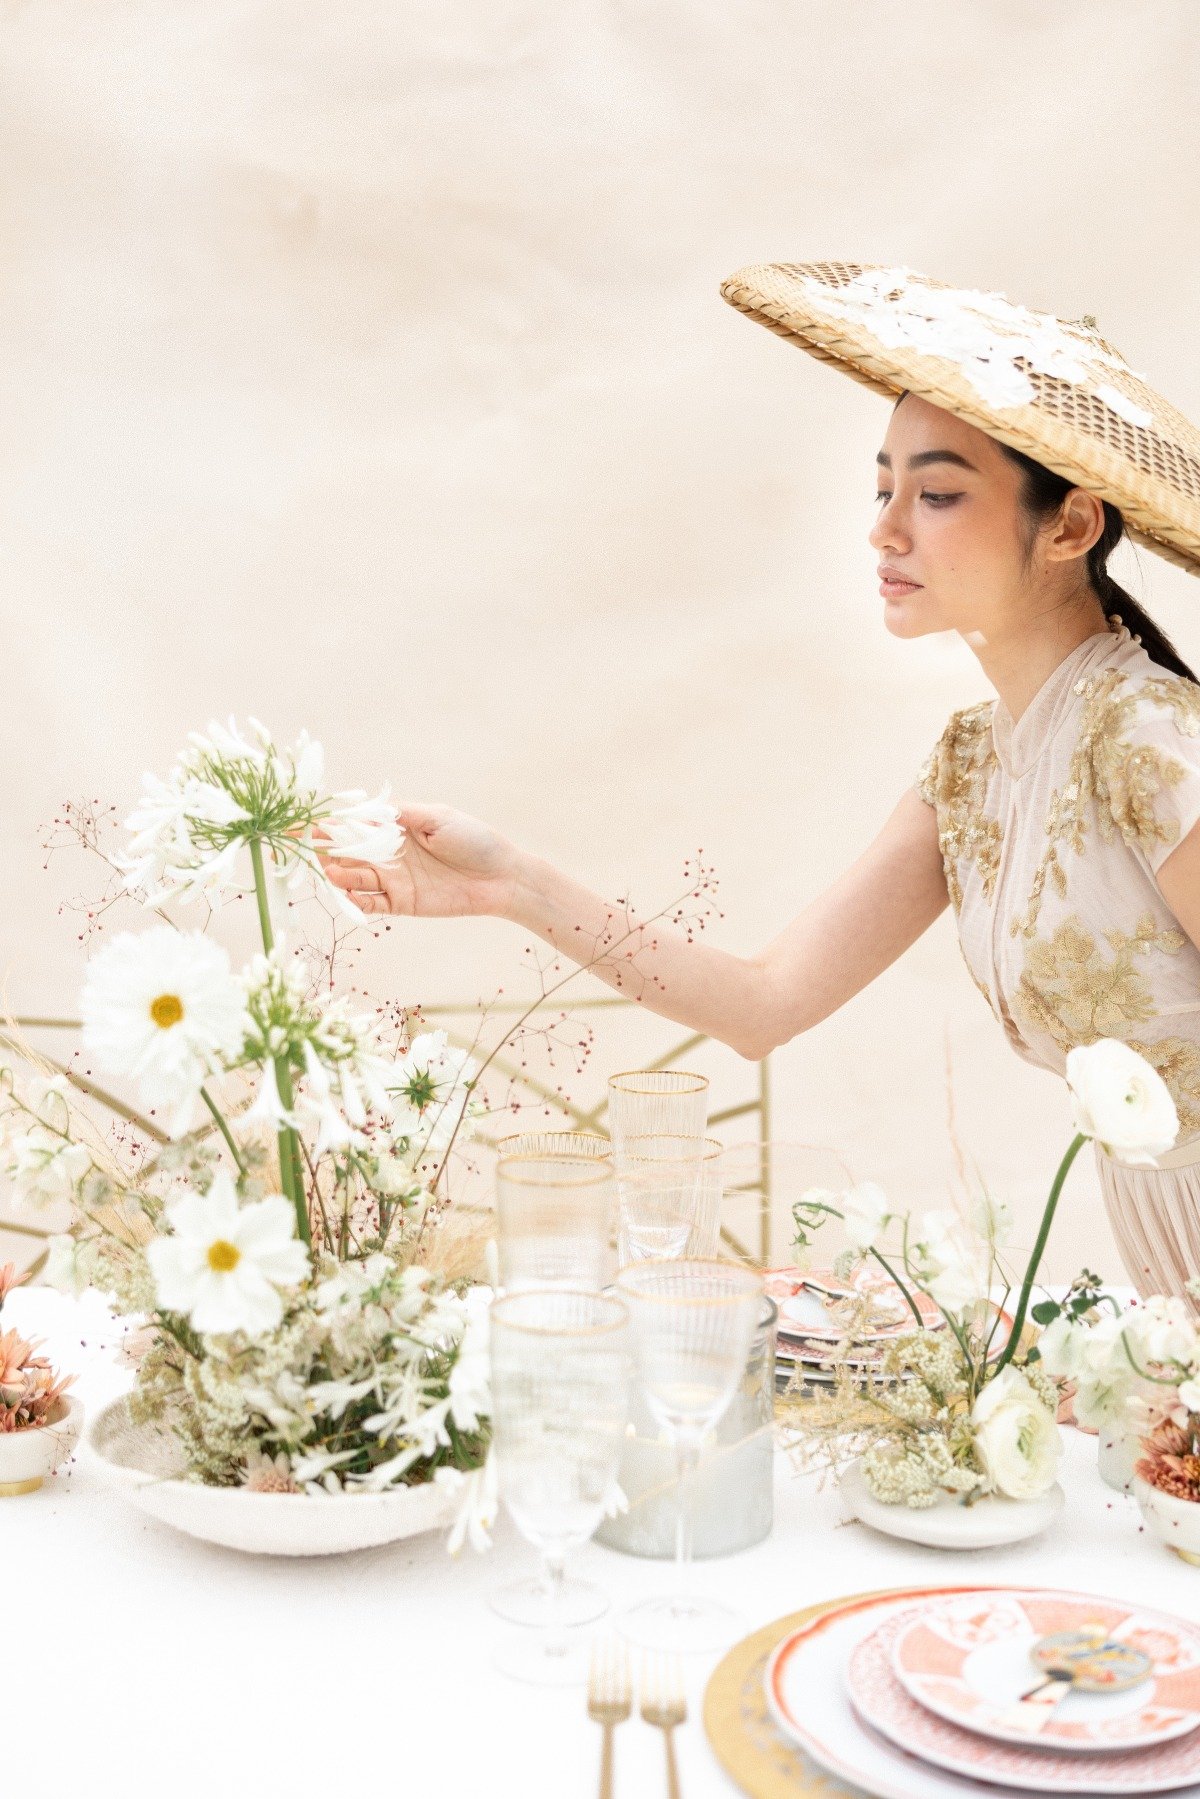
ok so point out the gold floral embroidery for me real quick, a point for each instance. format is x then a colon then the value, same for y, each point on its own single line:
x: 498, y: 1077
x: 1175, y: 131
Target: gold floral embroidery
x: 1072, y: 992
x: 1122, y: 778
x: 954, y: 779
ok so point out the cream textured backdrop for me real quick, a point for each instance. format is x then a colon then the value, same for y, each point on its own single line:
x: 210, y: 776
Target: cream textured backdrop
x: 364, y: 367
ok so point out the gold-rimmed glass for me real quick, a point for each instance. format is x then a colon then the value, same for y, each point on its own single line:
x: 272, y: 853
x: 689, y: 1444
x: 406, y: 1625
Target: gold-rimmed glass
x: 691, y: 1321
x: 656, y: 1102
x: 587, y: 1144
x: 554, y: 1220
x: 669, y: 1197
x: 560, y: 1381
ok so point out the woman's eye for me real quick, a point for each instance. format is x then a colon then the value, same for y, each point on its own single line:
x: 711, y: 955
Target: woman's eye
x: 935, y: 499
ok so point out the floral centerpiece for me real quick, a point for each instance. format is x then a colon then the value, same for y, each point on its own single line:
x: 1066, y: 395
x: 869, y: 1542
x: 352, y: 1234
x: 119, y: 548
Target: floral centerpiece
x: 39, y: 1421
x: 273, y: 1221
x: 967, y: 1408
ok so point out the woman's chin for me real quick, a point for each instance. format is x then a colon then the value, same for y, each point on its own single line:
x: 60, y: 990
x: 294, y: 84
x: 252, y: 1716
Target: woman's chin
x: 904, y: 619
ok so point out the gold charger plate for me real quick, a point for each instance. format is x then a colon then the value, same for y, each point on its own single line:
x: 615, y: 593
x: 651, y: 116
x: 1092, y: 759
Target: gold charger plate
x: 746, y: 1740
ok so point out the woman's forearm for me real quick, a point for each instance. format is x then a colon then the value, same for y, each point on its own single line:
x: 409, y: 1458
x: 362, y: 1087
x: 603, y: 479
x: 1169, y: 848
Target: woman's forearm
x: 696, y: 985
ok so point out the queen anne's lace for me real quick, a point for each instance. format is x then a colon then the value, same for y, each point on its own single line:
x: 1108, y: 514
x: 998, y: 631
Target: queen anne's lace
x: 986, y: 334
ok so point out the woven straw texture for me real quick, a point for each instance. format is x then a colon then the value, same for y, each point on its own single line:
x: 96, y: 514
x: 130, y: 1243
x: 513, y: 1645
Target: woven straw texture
x: 1051, y: 387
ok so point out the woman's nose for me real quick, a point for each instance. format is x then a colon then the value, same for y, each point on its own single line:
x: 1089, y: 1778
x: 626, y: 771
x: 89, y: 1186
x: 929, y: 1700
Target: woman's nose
x: 888, y: 533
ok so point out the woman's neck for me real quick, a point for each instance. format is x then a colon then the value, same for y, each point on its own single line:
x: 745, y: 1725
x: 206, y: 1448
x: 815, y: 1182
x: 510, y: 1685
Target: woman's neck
x: 1020, y: 661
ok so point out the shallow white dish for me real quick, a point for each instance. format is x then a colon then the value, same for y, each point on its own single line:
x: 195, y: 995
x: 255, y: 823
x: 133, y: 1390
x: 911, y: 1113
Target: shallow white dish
x: 144, y: 1461
x: 987, y: 1524
x: 1175, y: 1522
x: 806, y: 1691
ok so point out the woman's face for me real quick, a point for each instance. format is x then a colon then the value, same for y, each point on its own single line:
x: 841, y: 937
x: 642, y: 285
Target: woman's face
x: 950, y: 523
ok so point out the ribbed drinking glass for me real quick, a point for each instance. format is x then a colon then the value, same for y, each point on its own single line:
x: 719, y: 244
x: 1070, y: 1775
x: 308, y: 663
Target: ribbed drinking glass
x: 669, y: 1197
x: 656, y: 1102
x: 554, y: 1219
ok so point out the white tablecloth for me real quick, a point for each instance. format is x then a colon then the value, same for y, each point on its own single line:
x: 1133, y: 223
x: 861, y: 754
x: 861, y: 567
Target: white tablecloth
x: 138, y: 1661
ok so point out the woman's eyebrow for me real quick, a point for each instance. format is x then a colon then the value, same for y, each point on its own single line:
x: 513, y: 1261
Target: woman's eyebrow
x: 924, y: 457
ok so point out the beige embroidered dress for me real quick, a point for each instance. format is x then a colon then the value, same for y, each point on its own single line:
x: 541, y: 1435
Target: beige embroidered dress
x: 1052, y: 831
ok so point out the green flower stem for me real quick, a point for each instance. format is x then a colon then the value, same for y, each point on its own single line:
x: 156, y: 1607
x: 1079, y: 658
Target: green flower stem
x: 912, y: 1304
x: 223, y: 1127
x: 289, y: 1149
x: 1038, y: 1251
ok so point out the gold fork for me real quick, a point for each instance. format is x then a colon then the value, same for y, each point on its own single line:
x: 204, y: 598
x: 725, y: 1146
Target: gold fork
x: 664, y: 1706
x: 609, y: 1700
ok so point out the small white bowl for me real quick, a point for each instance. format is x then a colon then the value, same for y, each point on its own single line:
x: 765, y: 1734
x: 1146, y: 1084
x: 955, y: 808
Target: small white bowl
x: 28, y: 1456
x: 948, y: 1524
x: 1175, y: 1522
x: 144, y: 1461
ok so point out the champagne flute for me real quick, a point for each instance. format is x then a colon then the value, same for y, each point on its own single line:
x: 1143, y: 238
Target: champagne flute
x: 561, y: 1370
x: 692, y: 1323
x: 670, y: 1197
x: 656, y: 1102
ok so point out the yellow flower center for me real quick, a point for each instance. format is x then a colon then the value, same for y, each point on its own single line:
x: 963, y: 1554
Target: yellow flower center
x: 166, y: 1010
x: 223, y: 1257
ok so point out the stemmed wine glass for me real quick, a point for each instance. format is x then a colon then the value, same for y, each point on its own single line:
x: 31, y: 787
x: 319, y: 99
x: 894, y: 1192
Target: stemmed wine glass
x: 554, y: 1227
x: 669, y: 1189
x: 692, y: 1322
x: 561, y: 1370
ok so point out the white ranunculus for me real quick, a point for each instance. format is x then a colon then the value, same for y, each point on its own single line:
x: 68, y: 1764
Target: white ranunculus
x: 947, y: 1263
x: 224, y: 1263
x: 1105, y: 1379
x: 1121, y: 1101
x: 865, y: 1213
x: 1163, y: 1330
x: 163, y: 1007
x: 1017, y: 1439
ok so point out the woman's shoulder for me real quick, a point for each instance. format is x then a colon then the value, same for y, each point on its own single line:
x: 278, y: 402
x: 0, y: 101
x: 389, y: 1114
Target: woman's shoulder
x: 965, y: 744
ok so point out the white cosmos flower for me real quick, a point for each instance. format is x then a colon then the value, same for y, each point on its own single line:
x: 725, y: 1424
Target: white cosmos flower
x: 1016, y: 1438
x: 1121, y: 1101
x: 224, y: 1263
x: 163, y: 1007
x: 429, y: 1092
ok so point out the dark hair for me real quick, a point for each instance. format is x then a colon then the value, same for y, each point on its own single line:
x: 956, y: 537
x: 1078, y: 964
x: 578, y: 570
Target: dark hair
x: 1042, y: 494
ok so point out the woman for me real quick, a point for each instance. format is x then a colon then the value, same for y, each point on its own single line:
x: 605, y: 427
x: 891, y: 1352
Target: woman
x: 1057, y: 820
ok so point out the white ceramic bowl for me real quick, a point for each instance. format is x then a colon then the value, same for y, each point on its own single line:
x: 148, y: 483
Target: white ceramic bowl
x: 1175, y: 1522
x: 948, y: 1525
x: 144, y: 1461
x: 28, y: 1456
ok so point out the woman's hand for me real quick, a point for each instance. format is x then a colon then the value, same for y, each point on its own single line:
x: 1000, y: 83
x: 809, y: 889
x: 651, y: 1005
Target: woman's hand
x: 450, y: 864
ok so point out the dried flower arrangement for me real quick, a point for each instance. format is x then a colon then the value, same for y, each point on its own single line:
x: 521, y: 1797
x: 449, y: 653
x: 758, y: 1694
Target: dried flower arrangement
x: 29, y: 1390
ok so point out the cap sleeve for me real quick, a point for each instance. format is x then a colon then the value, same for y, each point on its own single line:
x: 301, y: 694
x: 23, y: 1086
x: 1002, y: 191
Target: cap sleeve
x: 1153, y: 757
x: 927, y: 775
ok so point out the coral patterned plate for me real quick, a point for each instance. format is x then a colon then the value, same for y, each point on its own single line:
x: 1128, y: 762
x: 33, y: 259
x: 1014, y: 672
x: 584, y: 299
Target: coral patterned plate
x: 968, y: 1661
x: 804, y: 1312
x: 807, y: 1693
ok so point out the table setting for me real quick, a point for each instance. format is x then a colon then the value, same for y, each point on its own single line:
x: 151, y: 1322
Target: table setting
x: 300, y: 1482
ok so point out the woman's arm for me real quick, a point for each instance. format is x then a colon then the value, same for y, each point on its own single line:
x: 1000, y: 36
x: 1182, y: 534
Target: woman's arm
x: 846, y: 937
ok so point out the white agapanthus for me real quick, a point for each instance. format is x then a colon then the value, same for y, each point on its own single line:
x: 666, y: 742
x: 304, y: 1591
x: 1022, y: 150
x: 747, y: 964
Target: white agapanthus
x: 36, y: 1151
x: 230, y: 786
x: 946, y: 1262
x: 224, y: 1263
x: 865, y: 1214
x: 429, y: 1091
x: 163, y: 1007
x: 1121, y: 1101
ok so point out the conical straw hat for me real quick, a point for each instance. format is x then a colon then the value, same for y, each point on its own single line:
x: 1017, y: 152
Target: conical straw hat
x: 1049, y: 386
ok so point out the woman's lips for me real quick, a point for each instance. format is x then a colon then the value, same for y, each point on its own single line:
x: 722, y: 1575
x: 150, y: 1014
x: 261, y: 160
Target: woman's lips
x: 896, y: 590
